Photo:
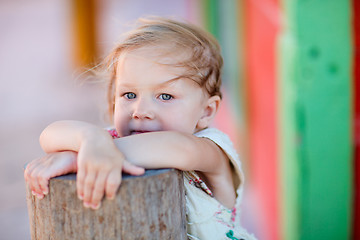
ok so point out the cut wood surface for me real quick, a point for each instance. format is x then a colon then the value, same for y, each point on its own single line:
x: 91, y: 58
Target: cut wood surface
x: 151, y: 206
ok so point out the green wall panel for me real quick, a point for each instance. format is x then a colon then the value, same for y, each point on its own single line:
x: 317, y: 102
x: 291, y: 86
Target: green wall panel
x: 316, y: 99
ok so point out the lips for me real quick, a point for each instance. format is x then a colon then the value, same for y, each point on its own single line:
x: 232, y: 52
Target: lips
x: 134, y: 132
x: 140, y: 131
x: 142, y: 128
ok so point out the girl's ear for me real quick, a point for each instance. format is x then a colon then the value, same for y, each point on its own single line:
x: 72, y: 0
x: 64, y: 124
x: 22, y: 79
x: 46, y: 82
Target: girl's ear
x: 209, y: 112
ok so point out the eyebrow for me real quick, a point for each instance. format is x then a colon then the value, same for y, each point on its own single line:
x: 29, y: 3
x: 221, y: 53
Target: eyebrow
x: 163, y: 84
x: 170, y: 81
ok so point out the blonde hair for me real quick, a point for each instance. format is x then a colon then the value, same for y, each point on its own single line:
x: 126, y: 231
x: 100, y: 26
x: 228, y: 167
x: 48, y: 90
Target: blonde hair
x: 203, y: 63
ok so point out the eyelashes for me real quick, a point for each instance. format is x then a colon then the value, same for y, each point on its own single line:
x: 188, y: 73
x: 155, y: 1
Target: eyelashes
x: 163, y: 96
x: 129, y: 95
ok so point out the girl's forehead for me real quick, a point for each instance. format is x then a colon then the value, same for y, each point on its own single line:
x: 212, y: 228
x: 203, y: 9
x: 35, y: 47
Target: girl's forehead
x: 162, y: 54
x: 145, y: 67
x: 144, y: 61
x: 143, y: 73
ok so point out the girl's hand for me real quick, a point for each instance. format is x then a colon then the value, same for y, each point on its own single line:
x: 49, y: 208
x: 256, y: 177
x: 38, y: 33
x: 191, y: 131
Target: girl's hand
x: 100, y: 166
x: 39, y: 171
x: 99, y: 162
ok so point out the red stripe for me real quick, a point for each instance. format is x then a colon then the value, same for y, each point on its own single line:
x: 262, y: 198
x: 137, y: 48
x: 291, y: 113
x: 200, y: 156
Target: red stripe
x: 262, y: 26
x: 356, y: 28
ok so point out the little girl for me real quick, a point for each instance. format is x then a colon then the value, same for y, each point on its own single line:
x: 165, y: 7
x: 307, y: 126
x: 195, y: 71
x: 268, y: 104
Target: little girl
x: 164, y: 91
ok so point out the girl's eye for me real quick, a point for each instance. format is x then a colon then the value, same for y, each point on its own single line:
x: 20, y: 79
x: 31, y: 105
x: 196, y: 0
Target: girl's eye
x: 165, y: 97
x: 130, y: 95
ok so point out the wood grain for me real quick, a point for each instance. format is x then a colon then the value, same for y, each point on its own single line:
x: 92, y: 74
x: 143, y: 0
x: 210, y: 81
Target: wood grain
x: 151, y: 206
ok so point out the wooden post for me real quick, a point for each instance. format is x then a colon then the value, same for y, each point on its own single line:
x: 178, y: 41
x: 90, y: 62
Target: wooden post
x: 151, y: 206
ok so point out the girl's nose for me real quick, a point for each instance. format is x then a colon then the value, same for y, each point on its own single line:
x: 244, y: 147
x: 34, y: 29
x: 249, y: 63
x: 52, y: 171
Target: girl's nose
x: 143, y: 110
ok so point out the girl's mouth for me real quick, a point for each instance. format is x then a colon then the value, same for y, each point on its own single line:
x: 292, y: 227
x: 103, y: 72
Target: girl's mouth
x: 134, y: 132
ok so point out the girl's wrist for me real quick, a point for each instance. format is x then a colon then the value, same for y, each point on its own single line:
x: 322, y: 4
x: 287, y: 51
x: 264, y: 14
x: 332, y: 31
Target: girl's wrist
x: 96, y: 138
x: 92, y: 133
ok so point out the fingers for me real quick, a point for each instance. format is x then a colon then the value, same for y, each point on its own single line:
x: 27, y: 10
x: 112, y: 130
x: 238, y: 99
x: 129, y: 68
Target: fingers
x: 43, y: 181
x: 93, y: 185
x: 36, y: 178
x: 112, y: 183
x: 88, y: 187
x: 80, y: 179
x: 39, y: 171
x: 92, y: 181
x: 132, y: 169
x: 98, y: 191
x: 35, y: 186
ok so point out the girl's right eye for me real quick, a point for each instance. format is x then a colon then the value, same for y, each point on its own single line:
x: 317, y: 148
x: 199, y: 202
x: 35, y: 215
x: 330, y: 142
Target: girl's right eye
x: 130, y: 95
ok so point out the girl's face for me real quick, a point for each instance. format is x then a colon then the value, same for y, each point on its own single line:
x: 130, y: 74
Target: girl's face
x: 150, y: 97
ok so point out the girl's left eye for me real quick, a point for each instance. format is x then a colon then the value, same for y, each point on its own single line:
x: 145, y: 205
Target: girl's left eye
x: 130, y: 95
x: 165, y: 97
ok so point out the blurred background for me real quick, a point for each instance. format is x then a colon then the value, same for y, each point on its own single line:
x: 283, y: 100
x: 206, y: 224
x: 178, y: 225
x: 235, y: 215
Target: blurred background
x: 291, y: 105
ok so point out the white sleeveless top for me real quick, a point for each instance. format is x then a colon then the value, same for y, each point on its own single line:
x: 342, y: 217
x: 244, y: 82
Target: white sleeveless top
x: 206, y: 217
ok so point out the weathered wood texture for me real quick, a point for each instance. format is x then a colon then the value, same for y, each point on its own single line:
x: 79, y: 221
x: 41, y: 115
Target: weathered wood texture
x: 146, y: 207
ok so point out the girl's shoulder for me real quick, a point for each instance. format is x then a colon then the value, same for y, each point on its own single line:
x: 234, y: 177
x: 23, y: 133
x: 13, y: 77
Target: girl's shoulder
x: 220, y: 138
x: 224, y: 142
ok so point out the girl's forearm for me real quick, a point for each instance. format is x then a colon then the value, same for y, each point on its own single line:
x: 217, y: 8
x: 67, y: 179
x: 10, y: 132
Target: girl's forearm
x: 152, y: 150
x: 170, y: 150
x: 69, y: 135
x: 163, y: 149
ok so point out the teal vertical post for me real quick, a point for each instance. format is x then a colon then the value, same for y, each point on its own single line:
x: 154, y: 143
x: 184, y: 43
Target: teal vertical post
x: 222, y: 20
x: 211, y: 9
x: 231, y: 45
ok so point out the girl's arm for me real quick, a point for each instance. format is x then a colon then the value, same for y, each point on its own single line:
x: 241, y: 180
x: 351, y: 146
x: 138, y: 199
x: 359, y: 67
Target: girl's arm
x: 185, y: 152
x: 165, y: 149
x: 99, y: 162
x: 70, y: 135
x: 168, y: 149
